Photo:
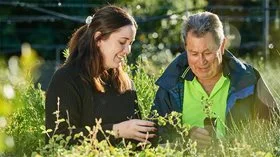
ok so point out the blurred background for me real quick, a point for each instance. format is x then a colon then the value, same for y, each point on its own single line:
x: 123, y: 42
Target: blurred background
x: 252, y: 27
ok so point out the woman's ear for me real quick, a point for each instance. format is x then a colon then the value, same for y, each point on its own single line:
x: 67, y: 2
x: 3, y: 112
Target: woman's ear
x: 97, y: 37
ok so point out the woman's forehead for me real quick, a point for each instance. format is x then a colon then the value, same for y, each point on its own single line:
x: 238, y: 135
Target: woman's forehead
x: 126, y: 32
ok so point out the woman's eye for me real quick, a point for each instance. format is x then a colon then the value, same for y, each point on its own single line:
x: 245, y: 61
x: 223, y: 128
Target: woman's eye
x: 122, y: 43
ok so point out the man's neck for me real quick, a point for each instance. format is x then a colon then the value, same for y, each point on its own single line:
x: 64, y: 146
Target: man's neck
x: 208, y: 84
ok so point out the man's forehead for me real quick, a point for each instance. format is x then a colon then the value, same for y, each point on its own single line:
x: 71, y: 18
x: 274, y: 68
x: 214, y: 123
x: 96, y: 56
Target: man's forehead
x: 200, y: 44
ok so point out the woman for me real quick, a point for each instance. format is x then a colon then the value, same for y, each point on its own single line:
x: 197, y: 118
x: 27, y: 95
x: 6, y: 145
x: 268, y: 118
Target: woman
x: 92, y: 84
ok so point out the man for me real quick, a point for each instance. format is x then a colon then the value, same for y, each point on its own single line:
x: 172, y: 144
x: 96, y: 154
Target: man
x: 207, y: 83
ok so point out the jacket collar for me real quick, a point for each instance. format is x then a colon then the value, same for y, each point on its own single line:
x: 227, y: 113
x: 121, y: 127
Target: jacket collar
x: 241, y: 75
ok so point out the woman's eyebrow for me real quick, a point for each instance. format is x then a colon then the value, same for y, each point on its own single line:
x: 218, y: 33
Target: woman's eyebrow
x: 128, y: 39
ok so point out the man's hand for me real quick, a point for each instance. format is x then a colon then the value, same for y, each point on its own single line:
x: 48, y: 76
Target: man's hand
x: 135, y: 129
x: 201, y: 136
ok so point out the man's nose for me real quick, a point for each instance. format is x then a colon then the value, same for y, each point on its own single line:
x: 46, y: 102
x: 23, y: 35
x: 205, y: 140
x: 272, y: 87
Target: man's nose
x: 202, y: 59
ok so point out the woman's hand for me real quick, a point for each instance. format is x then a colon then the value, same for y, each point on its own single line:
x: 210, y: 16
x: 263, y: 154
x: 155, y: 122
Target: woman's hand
x: 135, y: 129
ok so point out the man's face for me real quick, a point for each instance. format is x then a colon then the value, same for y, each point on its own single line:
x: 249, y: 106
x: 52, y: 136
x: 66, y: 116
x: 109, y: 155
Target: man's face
x: 204, y: 56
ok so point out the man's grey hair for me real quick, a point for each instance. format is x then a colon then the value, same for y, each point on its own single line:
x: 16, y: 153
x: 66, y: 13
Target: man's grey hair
x: 202, y: 23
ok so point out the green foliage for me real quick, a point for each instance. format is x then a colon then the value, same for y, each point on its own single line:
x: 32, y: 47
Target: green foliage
x: 26, y: 127
x: 26, y: 121
x: 22, y: 113
x: 21, y: 109
x: 145, y: 87
x: 90, y: 146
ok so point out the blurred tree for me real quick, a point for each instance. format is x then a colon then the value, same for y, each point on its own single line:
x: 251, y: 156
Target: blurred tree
x: 40, y: 24
x: 159, y: 33
x: 159, y: 24
x: 247, y: 17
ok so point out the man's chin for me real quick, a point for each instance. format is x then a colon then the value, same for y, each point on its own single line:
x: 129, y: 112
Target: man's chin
x: 203, y: 77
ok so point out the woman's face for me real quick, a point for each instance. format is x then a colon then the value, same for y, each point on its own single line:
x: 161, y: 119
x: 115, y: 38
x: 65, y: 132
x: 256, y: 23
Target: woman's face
x: 115, y: 48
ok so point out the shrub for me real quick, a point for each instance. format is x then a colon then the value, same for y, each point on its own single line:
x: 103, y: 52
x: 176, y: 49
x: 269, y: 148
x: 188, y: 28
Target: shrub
x: 26, y: 121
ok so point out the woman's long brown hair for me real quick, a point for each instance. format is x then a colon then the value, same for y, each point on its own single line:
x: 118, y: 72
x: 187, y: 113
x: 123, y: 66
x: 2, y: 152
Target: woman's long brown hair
x: 85, y: 52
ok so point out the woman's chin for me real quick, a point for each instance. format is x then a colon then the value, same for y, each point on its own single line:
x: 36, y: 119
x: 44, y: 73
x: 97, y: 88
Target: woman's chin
x: 117, y: 65
x: 120, y: 64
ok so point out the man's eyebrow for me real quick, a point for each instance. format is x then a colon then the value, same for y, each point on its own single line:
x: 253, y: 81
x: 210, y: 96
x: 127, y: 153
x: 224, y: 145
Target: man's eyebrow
x: 198, y: 52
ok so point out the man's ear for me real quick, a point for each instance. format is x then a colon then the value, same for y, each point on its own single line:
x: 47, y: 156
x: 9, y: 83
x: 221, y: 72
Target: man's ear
x: 97, y: 37
x: 223, y: 45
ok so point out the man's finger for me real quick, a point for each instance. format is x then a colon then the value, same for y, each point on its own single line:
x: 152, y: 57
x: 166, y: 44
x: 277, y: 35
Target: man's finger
x: 203, y: 142
x: 200, y: 134
x: 202, y: 131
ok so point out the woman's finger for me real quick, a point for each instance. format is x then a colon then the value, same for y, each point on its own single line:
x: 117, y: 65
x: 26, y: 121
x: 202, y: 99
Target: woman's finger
x: 144, y: 135
x: 141, y: 139
x: 144, y: 123
x: 145, y: 128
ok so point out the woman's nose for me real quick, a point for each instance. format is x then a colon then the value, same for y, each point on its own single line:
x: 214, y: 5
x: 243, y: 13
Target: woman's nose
x: 127, y: 49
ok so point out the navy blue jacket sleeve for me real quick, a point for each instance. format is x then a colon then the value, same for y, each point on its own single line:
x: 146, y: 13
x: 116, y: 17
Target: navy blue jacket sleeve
x: 161, y: 102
